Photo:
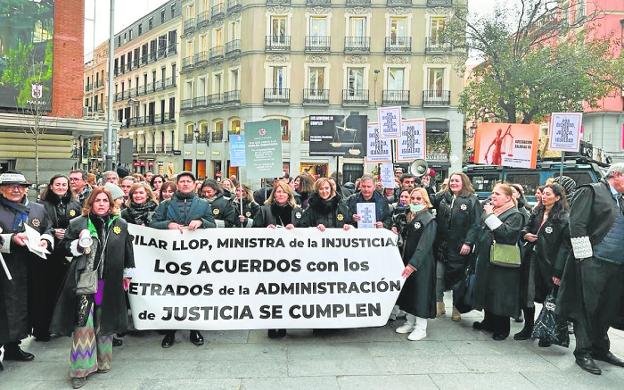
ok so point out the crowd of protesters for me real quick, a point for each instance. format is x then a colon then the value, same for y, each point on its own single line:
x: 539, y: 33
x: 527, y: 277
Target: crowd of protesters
x: 500, y: 256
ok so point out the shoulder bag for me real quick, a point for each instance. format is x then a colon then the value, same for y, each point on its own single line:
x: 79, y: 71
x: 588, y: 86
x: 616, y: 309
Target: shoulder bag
x: 505, y: 255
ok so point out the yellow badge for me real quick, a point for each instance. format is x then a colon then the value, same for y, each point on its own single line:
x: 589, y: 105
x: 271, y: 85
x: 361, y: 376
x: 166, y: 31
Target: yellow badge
x: 72, y: 213
x: 36, y: 223
x: 248, y: 214
x: 215, y: 211
x: 116, y: 230
x: 340, y: 217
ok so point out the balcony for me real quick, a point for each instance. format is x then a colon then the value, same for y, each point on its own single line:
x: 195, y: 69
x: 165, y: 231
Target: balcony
x: 436, y: 97
x: 355, y: 97
x: 186, y: 104
x: 162, y: 52
x: 358, y: 3
x: 217, y: 11
x: 398, y: 44
x: 153, y: 56
x: 232, y: 47
x: 357, y: 44
x: 144, y: 59
x: 203, y: 19
x: 437, y: 46
x: 317, y: 44
x: 232, y: 96
x: 188, y: 138
x: 233, y: 6
x: 316, y: 96
x: 189, y: 26
x: 216, y: 53
x: 88, y: 87
x: 315, y: 3
x: 172, y: 49
x: 100, y: 84
x: 395, y: 97
x: 187, y: 63
x: 169, y: 82
x: 399, y: 2
x: 439, y: 3
x: 217, y: 136
x: 277, y: 43
x: 277, y: 95
x: 200, y: 102
x: 200, y: 60
x: 215, y: 99
x: 277, y: 2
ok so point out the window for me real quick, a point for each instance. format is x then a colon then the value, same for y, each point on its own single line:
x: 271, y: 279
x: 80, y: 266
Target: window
x: 234, y: 85
x: 203, y: 43
x: 201, y: 86
x: 278, y: 79
x: 580, y: 9
x: 396, y: 79
x: 235, y: 126
x: 173, y: 74
x: 150, y: 24
x: 172, y: 108
x: 357, y: 26
x: 435, y: 80
x: 162, y: 16
x: 217, y: 135
x: 398, y: 30
x: 234, y: 30
x: 130, y: 35
x: 278, y: 29
x: 316, y: 80
x: 217, y: 83
x: 218, y: 37
x: 436, y: 30
x: 355, y: 80
x: 173, y: 10
x: 140, y: 29
x: 317, y: 29
x: 305, y: 132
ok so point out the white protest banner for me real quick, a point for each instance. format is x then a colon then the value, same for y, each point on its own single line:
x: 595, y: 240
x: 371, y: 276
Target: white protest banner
x: 386, y: 175
x: 564, y: 133
x: 389, y: 119
x: 263, y: 278
x: 412, y: 140
x: 377, y: 148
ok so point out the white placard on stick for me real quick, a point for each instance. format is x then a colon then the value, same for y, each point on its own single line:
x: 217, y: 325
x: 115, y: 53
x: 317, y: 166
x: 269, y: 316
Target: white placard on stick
x: 378, y: 149
x: 564, y: 133
x: 386, y: 175
x: 412, y: 144
x: 389, y: 119
x: 217, y: 279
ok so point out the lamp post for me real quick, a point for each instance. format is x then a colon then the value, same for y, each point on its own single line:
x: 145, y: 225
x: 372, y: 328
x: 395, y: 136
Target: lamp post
x: 376, y: 72
x: 195, y: 141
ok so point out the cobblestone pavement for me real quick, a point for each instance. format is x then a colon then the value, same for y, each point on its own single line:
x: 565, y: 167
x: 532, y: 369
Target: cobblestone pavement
x: 452, y: 357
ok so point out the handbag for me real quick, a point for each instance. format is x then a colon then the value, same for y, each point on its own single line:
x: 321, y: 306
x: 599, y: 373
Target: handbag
x: 549, y: 326
x: 463, y: 292
x: 505, y: 255
x: 88, y: 280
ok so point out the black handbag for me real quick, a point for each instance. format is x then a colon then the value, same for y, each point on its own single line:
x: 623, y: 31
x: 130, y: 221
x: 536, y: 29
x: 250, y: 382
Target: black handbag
x: 463, y: 292
x: 548, y: 326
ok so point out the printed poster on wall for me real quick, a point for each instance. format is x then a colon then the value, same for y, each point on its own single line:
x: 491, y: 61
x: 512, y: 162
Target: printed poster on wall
x: 412, y: 144
x: 217, y: 279
x: 377, y: 148
x: 263, y: 149
x: 564, y: 132
x: 389, y: 119
x: 507, y: 144
x: 237, y: 151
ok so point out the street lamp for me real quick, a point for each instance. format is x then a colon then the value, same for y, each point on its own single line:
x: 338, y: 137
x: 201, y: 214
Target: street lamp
x: 376, y: 71
x: 195, y: 141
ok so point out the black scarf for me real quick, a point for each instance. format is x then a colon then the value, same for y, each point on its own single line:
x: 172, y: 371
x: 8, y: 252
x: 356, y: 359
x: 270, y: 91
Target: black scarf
x: 20, y: 212
x: 60, y: 207
x: 100, y: 223
x: 282, y: 214
x: 323, y: 206
x: 139, y: 214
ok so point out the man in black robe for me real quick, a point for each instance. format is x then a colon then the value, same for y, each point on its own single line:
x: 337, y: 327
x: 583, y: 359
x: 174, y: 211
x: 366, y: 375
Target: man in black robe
x: 592, y: 285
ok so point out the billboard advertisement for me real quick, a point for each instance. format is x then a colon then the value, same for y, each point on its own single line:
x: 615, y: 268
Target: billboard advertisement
x: 507, y: 144
x: 337, y: 135
x: 26, y: 50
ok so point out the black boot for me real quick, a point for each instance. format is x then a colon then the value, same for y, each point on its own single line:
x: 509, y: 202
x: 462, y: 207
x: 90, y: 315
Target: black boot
x: 14, y: 352
x: 168, y: 340
x: 196, y: 338
x: 276, y: 333
x: 529, y: 321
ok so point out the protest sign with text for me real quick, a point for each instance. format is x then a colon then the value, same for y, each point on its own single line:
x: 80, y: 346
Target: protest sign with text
x: 263, y: 278
x: 389, y: 119
x: 263, y: 149
x: 412, y: 141
x: 377, y: 148
x: 564, y: 132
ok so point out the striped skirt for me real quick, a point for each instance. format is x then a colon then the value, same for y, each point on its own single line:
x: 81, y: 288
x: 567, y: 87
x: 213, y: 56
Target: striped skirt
x: 90, y: 351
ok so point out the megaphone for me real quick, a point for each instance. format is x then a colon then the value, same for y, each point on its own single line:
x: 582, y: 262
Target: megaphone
x: 419, y: 168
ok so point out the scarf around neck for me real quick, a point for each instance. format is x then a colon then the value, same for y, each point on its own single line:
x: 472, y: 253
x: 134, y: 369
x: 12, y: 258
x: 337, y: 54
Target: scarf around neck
x: 20, y: 211
x: 507, y: 206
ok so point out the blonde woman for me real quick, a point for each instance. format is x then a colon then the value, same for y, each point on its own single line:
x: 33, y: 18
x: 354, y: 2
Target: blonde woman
x: 418, y: 298
x: 140, y: 205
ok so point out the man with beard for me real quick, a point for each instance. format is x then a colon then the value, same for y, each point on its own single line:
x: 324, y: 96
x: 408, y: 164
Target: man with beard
x: 15, y: 213
x: 592, y: 285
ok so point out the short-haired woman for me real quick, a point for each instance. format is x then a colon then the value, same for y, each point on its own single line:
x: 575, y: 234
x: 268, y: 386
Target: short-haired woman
x: 92, y: 319
x: 140, y: 206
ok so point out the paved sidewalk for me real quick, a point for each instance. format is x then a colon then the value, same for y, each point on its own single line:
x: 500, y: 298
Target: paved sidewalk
x: 452, y: 357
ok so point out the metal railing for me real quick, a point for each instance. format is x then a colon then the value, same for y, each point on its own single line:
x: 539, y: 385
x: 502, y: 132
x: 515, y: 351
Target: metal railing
x: 399, y: 2
x: 232, y: 96
x: 277, y: 95
x: 315, y: 43
x: 278, y: 2
x: 357, y: 44
x: 203, y: 19
x: 355, y: 96
x: 233, y: 6
x: 437, y: 45
x: 436, y: 97
x: 396, y: 97
x: 215, y: 99
x: 187, y: 62
x: 314, y: 3
x: 398, y: 44
x: 200, y: 59
x: 217, y: 11
x: 315, y: 96
x: 277, y: 43
x: 439, y: 3
x: 189, y: 25
x: 232, y: 47
x: 186, y: 104
x: 216, y: 52
x: 358, y: 3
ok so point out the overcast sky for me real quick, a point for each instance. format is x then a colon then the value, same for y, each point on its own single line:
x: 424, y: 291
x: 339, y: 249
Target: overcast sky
x: 127, y: 11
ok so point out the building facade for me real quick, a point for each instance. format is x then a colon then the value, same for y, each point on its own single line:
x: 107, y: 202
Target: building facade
x: 279, y: 59
x: 145, y: 88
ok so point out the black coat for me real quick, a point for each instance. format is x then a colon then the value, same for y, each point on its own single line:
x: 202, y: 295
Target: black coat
x: 15, y: 304
x: 459, y: 220
x: 497, y: 289
x: 268, y: 214
x: 118, y: 256
x: 183, y: 210
x: 382, y: 208
x: 332, y: 214
x: 418, y: 295
x: 592, y: 214
x: 222, y: 210
x: 249, y: 210
x: 545, y: 257
x: 139, y: 214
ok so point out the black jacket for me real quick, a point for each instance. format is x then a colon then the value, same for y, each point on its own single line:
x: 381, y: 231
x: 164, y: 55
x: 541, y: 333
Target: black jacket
x: 249, y: 210
x: 269, y: 214
x: 382, y: 208
x: 459, y: 220
x: 182, y: 210
x: 118, y: 256
x: 61, y: 211
x: 332, y: 214
x: 222, y: 210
